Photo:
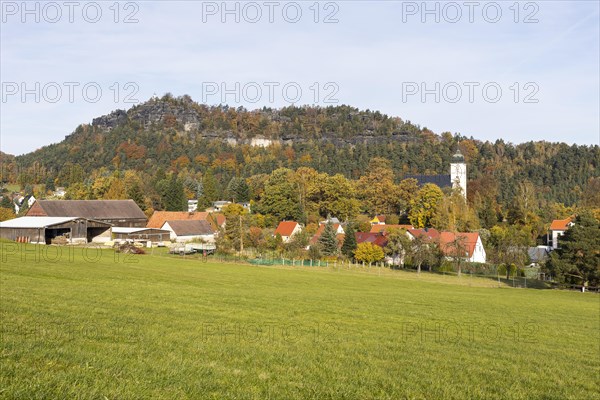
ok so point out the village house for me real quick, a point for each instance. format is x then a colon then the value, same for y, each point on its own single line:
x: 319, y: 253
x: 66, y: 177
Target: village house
x: 558, y: 227
x: 377, y: 228
x: 287, y: 229
x: 192, y: 205
x: 190, y: 230
x: 467, y: 245
x: 378, y: 220
x: 124, y: 213
x: 158, y: 219
x: 23, y: 201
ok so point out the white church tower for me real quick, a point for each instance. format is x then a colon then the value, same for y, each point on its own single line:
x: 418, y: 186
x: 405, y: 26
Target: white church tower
x: 458, y: 172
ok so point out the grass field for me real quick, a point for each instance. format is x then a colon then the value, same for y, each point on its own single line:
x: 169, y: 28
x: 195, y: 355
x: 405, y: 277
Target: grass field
x: 154, y: 326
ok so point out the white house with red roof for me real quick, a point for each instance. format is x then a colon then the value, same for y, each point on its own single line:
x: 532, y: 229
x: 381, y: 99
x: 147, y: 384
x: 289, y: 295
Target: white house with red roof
x: 464, y: 244
x: 558, y: 227
x: 287, y: 229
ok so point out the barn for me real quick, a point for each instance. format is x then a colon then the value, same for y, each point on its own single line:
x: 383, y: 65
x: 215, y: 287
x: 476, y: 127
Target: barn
x: 44, y: 229
x: 124, y: 213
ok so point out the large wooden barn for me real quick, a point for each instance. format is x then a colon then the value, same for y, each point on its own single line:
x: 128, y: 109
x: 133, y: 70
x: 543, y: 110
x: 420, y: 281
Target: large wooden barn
x: 125, y: 213
x: 44, y: 229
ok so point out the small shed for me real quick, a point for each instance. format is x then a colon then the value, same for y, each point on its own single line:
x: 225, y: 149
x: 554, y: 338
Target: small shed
x: 152, y: 234
x: 44, y: 229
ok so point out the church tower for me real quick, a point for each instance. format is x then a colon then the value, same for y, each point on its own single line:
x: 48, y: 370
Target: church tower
x: 458, y: 172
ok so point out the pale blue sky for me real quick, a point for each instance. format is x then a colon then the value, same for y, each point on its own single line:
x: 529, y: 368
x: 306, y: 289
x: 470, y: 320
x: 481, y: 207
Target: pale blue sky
x: 373, y: 57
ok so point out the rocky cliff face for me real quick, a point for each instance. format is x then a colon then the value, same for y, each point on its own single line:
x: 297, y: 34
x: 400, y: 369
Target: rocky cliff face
x: 152, y: 112
x: 183, y: 116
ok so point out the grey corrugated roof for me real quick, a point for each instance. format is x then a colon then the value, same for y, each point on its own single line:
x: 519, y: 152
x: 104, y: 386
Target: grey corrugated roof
x: 190, y: 227
x: 439, y: 180
x: 538, y: 254
x: 92, y: 209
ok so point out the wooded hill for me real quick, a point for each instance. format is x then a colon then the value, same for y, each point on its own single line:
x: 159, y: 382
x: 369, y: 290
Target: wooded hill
x: 180, y: 136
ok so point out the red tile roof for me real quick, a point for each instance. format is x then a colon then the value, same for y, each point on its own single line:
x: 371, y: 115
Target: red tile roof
x: 386, y: 228
x: 560, y: 224
x: 286, y: 228
x: 448, y: 240
x: 452, y: 244
x: 429, y: 233
x: 378, y: 239
x: 219, y: 218
x: 158, y: 219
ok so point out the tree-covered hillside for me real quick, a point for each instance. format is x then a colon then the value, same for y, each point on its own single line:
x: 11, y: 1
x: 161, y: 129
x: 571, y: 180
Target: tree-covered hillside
x: 179, y: 135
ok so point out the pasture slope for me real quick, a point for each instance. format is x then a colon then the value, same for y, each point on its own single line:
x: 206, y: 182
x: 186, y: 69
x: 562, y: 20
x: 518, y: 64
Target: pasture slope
x: 105, y: 326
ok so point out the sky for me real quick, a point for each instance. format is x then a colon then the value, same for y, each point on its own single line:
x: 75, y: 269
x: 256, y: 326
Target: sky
x: 516, y: 71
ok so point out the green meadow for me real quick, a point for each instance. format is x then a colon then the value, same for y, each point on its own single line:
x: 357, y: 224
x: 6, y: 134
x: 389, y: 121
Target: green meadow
x: 99, y: 325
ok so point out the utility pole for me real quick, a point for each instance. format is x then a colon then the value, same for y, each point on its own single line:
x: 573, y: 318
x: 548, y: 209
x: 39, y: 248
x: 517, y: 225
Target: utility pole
x: 241, y: 236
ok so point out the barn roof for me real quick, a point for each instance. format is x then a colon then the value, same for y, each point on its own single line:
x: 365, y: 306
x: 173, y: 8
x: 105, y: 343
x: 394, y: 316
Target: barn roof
x: 91, y: 209
x: 38, y: 222
x: 34, y: 222
x: 190, y: 227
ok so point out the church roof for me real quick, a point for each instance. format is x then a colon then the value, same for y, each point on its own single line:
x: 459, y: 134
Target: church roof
x: 458, y: 157
x: 440, y: 180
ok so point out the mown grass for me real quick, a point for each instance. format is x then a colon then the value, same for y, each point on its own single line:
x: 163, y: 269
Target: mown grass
x: 154, y: 326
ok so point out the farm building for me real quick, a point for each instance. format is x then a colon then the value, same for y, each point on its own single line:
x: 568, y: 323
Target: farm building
x: 185, y: 231
x: 152, y: 234
x: 158, y: 219
x: 44, y: 229
x: 124, y: 213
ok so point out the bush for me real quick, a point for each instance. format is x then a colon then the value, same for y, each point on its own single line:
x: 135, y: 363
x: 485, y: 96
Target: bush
x: 446, y: 266
x: 479, y: 269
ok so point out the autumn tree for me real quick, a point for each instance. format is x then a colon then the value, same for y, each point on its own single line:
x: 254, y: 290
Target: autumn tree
x: 280, y: 197
x: 6, y: 213
x: 453, y: 214
x: 377, y: 189
x: 369, y: 253
x: 424, y: 206
x: 398, y: 244
x: 339, y: 198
